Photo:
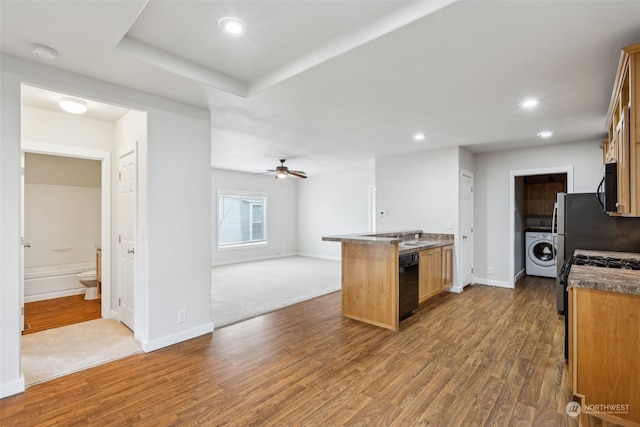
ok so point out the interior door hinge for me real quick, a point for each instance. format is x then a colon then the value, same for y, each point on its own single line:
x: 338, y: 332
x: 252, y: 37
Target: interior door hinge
x: 119, y: 302
x: 119, y: 176
x: 119, y: 238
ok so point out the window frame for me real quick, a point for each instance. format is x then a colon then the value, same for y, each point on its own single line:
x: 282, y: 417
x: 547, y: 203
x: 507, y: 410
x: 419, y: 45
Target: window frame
x: 244, y: 194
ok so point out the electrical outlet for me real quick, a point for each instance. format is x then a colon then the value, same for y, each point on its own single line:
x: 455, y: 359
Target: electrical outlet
x: 182, y: 316
x: 490, y: 270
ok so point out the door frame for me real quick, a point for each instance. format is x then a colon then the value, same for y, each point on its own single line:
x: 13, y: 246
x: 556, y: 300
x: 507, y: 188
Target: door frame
x: 105, y: 190
x: 513, y: 174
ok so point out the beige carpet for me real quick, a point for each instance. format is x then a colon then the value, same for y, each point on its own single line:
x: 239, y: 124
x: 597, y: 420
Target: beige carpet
x: 242, y: 291
x: 55, y: 352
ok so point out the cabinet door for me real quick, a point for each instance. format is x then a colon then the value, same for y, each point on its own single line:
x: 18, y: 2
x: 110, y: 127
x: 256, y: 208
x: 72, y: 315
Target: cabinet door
x: 447, y: 266
x: 535, y: 199
x: 430, y: 275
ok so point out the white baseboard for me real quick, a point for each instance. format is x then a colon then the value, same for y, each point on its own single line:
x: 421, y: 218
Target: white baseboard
x: 519, y: 275
x: 241, y: 261
x: 13, y: 387
x: 149, y: 346
x: 488, y: 282
x: 330, y: 258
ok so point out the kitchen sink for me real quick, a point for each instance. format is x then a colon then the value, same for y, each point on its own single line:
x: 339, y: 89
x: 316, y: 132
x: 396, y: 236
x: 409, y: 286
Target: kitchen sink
x: 411, y: 243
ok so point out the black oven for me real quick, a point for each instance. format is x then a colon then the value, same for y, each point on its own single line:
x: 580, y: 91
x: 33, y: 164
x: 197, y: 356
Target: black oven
x: 608, y: 188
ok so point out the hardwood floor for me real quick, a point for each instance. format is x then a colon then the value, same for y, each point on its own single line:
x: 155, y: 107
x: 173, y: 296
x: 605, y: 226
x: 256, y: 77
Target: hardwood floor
x: 53, y: 313
x: 487, y: 356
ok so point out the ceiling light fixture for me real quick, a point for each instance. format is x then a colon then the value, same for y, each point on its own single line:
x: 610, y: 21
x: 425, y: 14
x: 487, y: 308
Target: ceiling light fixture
x: 529, y: 103
x: 418, y: 136
x: 545, y: 134
x: 231, y: 25
x: 73, y: 106
x: 44, y: 52
x: 281, y: 175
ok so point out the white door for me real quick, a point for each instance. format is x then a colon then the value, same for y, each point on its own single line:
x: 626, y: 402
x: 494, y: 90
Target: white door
x: 126, y: 236
x: 466, y: 228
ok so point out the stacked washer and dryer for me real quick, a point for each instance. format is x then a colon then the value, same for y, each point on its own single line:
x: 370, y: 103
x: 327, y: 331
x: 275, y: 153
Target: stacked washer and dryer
x: 540, y: 254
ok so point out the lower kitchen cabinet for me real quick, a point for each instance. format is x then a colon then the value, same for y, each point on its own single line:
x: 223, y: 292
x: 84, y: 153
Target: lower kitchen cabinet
x: 604, y: 332
x: 430, y: 274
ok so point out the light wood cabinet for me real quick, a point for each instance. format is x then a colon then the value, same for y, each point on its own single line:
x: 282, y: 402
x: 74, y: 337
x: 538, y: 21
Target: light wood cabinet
x: 623, y: 126
x: 604, y: 366
x: 370, y: 284
x: 430, y: 274
x: 447, y: 266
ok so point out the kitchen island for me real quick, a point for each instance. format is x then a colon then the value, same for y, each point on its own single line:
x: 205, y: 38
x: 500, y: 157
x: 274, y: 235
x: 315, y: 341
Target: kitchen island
x: 604, y: 339
x: 370, y: 284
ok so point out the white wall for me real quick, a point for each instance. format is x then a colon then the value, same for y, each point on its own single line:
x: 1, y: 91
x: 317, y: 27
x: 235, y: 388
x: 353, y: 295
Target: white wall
x: 282, y: 224
x: 59, y: 128
x: 492, y: 246
x: 418, y: 191
x: 331, y: 205
x: 176, y: 200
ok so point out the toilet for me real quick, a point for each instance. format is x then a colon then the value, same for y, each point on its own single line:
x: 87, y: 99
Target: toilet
x: 90, y: 280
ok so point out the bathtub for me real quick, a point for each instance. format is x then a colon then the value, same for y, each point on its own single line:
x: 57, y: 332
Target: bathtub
x: 54, y: 281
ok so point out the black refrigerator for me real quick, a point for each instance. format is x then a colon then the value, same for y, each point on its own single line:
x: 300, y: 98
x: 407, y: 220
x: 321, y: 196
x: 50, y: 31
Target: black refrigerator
x: 581, y: 223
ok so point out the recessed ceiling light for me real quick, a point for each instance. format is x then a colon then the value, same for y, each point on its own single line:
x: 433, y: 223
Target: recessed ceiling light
x: 44, y: 52
x: 418, y: 136
x: 529, y: 103
x: 231, y: 25
x: 73, y: 106
x: 545, y: 134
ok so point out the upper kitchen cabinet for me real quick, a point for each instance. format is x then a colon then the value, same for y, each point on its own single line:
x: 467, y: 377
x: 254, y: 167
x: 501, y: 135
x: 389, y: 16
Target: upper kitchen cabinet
x: 541, y: 191
x: 623, y: 125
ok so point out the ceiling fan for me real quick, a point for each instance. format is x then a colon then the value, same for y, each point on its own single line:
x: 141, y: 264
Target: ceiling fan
x: 282, y: 171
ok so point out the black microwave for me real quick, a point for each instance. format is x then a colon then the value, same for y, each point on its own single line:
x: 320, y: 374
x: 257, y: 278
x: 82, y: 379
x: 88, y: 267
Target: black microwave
x: 608, y: 188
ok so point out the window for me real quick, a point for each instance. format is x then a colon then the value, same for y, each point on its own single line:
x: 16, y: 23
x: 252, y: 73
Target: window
x: 241, y: 218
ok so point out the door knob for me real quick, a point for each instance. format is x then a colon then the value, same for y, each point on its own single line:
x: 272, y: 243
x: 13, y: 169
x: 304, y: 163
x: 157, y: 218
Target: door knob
x: 131, y: 251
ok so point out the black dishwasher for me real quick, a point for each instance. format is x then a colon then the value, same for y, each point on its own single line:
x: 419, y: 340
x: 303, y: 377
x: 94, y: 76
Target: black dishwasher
x: 408, y: 284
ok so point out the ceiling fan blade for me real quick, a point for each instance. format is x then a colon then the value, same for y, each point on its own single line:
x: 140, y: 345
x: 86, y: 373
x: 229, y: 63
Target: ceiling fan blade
x: 298, y: 174
x: 301, y: 172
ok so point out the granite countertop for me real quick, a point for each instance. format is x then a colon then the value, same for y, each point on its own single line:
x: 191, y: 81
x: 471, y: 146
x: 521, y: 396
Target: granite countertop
x: 605, y: 279
x: 406, y: 240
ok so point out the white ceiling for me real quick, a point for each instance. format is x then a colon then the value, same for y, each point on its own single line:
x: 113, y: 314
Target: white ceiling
x: 331, y: 85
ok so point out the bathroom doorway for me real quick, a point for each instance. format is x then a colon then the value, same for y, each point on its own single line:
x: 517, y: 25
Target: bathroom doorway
x: 66, y: 216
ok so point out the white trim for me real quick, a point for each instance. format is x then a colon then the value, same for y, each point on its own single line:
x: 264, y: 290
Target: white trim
x: 149, y: 346
x: 512, y: 205
x: 105, y: 190
x: 495, y: 283
x: 520, y: 274
x: 13, y: 387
